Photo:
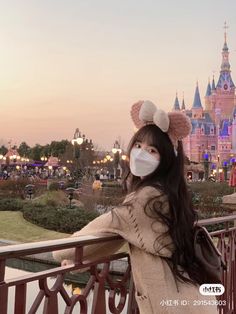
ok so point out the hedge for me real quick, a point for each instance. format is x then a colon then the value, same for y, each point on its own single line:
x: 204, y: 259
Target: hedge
x: 58, y: 219
x: 11, y: 204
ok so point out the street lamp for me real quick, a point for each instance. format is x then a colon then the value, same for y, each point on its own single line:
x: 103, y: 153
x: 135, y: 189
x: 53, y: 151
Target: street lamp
x: 220, y: 174
x: 108, y: 156
x: 206, y: 162
x: 76, y: 142
x: 1, y: 159
x: 225, y: 169
x: 43, y: 158
x: 123, y: 157
x: 77, y: 138
x: 116, y: 150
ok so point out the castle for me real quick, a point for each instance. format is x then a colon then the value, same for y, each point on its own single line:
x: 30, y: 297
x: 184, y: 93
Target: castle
x: 213, y: 136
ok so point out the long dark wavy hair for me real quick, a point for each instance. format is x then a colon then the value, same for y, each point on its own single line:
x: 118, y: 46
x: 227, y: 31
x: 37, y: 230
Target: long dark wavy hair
x: 169, y: 178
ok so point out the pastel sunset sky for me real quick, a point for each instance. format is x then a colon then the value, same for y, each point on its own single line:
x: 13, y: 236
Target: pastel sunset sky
x: 82, y: 63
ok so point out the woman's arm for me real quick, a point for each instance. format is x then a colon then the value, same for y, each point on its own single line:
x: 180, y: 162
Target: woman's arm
x: 106, y: 223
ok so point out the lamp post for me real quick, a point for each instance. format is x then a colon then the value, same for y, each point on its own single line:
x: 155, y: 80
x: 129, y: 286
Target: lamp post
x: 44, y: 158
x: 29, y: 190
x: 116, y: 150
x: 220, y: 174
x: 70, y: 192
x: 76, y: 142
x: 218, y: 165
x: 206, y: 162
x: 1, y: 159
x: 225, y: 169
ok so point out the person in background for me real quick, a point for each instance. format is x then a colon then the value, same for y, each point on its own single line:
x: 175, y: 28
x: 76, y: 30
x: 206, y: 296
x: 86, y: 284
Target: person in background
x: 97, y: 184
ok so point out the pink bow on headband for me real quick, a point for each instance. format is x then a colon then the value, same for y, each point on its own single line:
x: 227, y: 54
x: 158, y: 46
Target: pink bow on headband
x: 176, y: 124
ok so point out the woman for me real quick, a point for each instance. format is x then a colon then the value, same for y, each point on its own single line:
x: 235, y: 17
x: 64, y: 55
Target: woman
x: 156, y: 218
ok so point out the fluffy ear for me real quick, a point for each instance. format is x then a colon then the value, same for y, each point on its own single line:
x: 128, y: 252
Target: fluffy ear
x: 180, y: 126
x: 147, y: 111
x: 135, y: 109
x: 161, y: 119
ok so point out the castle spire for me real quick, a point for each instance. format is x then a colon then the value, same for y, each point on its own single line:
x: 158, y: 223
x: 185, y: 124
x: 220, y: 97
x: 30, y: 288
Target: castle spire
x: 183, y: 104
x: 225, y: 81
x: 213, y: 85
x: 208, y: 91
x: 176, y: 103
x: 225, y: 27
x: 197, y: 100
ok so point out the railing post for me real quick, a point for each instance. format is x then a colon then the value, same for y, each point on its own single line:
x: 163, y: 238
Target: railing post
x: 51, y: 304
x: 99, y: 297
x: 99, y: 301
x: 3, y: 288
x: 20, y: 299
x: 3, y: 299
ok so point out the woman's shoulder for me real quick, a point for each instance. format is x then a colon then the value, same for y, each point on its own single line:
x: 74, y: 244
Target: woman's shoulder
x: 149, y: 191
x: 143, y: 194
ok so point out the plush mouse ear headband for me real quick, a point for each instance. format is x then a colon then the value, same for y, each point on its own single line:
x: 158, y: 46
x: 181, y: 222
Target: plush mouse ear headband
x: 176, y: 124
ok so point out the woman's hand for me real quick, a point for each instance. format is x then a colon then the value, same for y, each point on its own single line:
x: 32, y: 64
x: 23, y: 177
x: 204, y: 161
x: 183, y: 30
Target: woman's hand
x: 67, y: 262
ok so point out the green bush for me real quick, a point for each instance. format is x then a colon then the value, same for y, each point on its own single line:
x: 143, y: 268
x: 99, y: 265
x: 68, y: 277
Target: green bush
x: 207, y: 200
x: 14, y: 188
x: 54, y: 186
x: 208, y: 195
x: 212, y: 189
x: 11, y: 204
x: 52, y: 199
x: 58, y: 219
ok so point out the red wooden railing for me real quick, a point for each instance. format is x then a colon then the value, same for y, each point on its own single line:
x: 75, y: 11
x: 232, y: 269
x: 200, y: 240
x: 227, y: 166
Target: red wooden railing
x: 100, y: 278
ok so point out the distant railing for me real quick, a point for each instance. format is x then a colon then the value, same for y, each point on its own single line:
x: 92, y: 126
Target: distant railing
x: 100, y: 278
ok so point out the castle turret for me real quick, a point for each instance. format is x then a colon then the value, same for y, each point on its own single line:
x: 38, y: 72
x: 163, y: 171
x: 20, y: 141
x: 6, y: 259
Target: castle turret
x: 208, y: 91
x: 213, y: 85
x: 176, y: 104
x: 225, y: 82
x: 207, y: 97
x: 197, y: 109
x: 183, y: 105
x: 224, y: 96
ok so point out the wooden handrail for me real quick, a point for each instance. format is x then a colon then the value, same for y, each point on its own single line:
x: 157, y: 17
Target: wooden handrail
x: 16, y: 250
x: 98, y: 279
x: 216, y: 220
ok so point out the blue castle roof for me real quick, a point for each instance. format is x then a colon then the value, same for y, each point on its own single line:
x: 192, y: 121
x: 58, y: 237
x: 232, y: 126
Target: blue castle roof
x: 206, y: 123
x: 208, y: 91
x: 176, y: 103
x: 213, y: 85
x: 225, y: 77
x: 183, y: 105
x: 197, y: 100
x: 225, y: 47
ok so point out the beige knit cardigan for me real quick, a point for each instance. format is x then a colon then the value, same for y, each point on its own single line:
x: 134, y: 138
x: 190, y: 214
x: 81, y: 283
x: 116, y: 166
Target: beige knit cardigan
x: 156, y: 289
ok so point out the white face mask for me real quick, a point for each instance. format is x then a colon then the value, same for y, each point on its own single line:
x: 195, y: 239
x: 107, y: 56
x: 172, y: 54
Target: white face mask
x: 142, y: 163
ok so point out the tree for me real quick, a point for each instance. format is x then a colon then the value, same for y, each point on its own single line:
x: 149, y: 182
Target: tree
x: 58, y: 148
x: 36, y: 152
x: 3, y: 150
x: 24, y: 149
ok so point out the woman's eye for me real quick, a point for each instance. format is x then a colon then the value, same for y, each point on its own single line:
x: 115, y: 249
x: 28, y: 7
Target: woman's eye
x: 152, y: 151
x: 137, y: 145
